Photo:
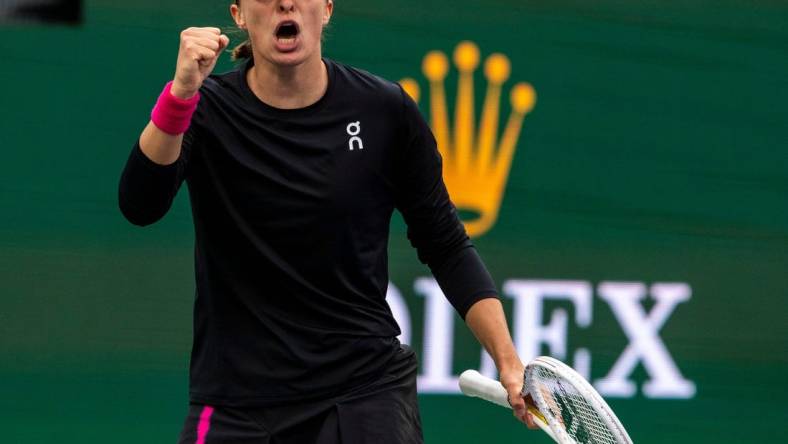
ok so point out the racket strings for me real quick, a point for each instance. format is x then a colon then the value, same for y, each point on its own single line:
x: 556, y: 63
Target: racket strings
x: 569, y: 410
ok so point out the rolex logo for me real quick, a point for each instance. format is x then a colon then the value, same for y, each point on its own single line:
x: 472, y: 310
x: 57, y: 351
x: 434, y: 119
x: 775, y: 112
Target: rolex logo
x: 476, y: 161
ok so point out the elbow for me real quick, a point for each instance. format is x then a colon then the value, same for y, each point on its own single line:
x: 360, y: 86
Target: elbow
x: 136, y: 218
x: 134, y: 214
x: 140, y: 221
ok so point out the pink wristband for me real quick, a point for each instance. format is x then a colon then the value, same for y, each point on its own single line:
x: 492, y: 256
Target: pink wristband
x: 173, y: 114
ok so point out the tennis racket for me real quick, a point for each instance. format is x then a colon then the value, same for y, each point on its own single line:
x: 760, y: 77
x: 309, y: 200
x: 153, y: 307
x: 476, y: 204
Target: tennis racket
x: 567, y: 407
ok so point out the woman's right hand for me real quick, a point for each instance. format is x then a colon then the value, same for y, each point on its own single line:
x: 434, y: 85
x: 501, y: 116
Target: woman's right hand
x: 199, y: 51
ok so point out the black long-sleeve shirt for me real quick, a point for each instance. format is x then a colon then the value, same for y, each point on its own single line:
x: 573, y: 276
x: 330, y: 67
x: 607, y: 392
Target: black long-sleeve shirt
x: 291, y: 211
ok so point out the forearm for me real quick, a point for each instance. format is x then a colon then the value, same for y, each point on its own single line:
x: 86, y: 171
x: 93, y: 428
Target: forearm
x: 198, y: 54
x: 487, y: 321
x: 162, y: 139
x: 160, y: 147
x: 156, y: 166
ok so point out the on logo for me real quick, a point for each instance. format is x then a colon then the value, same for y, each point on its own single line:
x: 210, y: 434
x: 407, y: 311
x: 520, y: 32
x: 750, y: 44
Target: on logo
x: 353, y: 130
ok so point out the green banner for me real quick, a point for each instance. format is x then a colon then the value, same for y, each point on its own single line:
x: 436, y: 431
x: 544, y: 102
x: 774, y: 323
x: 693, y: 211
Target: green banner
x: 621, y: 166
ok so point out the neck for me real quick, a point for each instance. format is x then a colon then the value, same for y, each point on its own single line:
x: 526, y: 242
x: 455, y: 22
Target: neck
x: 288, y: 87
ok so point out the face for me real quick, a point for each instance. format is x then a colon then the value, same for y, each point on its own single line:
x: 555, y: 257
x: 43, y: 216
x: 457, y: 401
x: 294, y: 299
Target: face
x: 284, y: 32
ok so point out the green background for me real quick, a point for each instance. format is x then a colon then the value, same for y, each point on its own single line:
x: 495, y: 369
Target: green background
x: 656, y: 152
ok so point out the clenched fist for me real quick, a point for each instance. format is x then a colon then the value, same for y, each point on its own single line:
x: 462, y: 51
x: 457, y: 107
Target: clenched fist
x: 199, y: 51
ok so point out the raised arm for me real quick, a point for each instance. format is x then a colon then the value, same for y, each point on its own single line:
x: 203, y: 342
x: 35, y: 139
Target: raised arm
x: 157, y: 165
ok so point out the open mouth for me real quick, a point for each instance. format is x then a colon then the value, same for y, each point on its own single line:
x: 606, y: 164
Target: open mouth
x: 287, y: 32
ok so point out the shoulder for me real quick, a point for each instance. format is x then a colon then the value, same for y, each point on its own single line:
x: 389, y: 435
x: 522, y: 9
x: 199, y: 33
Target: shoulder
x: 365, y: 86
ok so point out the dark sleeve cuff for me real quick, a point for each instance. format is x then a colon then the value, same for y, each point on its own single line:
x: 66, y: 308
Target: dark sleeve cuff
x: 464, y: 279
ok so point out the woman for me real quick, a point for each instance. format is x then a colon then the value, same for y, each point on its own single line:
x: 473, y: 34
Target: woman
x: 294, y: 165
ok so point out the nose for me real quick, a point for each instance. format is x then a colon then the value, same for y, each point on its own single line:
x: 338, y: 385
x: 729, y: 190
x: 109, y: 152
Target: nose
x: 286, y: 6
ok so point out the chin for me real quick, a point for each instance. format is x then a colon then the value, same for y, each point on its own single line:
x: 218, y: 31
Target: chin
x: 293, y: 58
x: 289, y: 59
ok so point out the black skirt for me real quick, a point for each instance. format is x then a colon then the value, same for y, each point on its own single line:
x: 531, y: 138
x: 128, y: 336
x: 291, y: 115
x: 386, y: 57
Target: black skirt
x: 384, y: 411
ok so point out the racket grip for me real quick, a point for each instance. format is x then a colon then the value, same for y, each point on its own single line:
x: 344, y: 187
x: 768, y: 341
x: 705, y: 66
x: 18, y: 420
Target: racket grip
x: 474, y: 384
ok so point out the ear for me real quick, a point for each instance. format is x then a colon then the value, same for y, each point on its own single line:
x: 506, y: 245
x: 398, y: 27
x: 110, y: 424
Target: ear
x: 329, y: 10
x: 238, y: 16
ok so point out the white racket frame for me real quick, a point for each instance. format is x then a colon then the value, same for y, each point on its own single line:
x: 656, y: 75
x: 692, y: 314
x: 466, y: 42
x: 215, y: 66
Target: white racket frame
x: 474, y: 384
x: 585, y: 389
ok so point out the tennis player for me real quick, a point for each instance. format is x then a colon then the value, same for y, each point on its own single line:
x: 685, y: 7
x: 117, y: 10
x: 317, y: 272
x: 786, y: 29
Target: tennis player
x: 294, y: 165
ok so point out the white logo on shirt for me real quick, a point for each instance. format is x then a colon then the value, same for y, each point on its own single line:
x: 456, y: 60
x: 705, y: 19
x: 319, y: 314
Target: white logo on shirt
x: 353, y: 130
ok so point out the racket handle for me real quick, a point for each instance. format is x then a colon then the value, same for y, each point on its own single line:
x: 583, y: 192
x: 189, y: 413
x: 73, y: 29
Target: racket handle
x: 476, y: 385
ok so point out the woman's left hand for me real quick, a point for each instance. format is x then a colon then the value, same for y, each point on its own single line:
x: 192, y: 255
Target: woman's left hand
x: 512, y: 378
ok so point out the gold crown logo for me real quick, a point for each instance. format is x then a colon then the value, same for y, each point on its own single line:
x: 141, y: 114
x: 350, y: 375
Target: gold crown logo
x: 475, y: 166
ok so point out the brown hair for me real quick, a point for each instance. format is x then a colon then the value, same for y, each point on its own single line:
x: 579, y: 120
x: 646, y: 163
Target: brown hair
x: 244, y: 50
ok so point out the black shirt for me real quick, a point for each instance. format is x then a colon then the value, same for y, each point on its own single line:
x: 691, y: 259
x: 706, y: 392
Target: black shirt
x: 291, y: 212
